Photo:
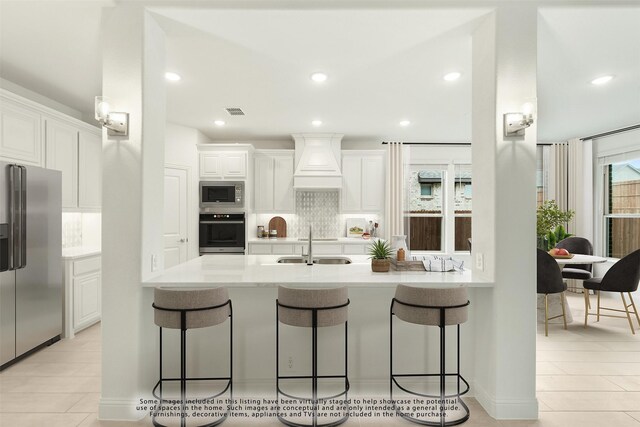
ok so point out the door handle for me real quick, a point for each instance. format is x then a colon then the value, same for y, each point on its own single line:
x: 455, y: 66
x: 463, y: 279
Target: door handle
x: 181, y: 241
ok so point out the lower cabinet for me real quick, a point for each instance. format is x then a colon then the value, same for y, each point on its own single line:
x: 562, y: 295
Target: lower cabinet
x: 298, y: 249
x: 83, y: 288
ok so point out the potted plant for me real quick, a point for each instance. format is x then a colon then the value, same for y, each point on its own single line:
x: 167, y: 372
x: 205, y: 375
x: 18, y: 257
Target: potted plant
x: 380, y: 252
x: 549, y: 223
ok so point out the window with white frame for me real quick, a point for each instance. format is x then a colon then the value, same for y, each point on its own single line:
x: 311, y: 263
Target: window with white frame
x: 621, y: 207
x: 439, y: 207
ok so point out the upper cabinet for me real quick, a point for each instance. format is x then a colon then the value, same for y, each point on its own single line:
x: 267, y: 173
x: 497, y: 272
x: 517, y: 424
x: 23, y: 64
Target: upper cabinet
x: 89, y: 171
x: 20, y: 133
x: 77, y: 153
x: 274, y: 181
x: 61, y: 145
x: 34, y: 134
x: 363, y: 181
x: 223, y: 165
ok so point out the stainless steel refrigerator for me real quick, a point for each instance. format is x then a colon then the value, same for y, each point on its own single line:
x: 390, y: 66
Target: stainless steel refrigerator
x: 30, y: 260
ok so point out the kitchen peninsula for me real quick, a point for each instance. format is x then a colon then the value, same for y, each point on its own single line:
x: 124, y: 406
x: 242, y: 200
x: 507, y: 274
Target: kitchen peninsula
x: 252, y: 281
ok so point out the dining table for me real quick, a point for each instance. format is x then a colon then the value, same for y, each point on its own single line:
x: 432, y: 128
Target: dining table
x: 555, y: 307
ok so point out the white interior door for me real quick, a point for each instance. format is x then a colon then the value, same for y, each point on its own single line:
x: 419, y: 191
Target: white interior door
x: 175, y: 216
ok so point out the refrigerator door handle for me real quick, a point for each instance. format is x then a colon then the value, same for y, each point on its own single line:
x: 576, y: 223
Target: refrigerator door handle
x: 23, y: 217
x: 13, y: 221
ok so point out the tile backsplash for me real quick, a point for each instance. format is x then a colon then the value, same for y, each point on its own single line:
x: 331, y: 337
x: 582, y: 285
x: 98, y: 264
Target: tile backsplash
x: 81, y: 229
x: 320, y: 209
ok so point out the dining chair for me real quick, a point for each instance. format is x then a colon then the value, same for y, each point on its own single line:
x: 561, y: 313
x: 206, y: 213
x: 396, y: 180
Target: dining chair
x: 577, y: 245
x: 550, y: 281
x: 622, y: 277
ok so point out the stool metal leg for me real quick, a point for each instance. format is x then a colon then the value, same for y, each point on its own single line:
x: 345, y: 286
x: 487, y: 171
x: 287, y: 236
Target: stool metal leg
x: 183, y: 371
x: 315, y: 399
x: 442, y: 375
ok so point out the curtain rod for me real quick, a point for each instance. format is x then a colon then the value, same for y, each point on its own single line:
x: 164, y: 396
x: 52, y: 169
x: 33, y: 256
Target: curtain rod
x: 611, y: 132
x: 459, y: 144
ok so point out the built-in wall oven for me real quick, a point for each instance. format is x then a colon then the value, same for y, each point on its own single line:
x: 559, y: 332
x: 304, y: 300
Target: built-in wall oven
x: 222, y: 233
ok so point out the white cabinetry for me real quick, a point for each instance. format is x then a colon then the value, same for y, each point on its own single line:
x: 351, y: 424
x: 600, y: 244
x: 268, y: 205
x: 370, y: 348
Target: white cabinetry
x: 82, y: 278
x: 61, y: 143
x: 89, y: 171
x: 33, y: 134
x: 319, y: 248
x: 20, y: 133
x: 77, y: 153
x: 274, y: 181
x: 363, y: 181
x: 223, y: 165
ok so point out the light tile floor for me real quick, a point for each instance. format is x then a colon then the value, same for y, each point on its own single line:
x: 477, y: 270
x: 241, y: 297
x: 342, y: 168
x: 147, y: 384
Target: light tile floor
x: 586, y: 378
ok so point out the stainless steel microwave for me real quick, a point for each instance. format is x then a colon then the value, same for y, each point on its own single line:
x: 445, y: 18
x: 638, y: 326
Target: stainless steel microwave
x: 221, y: 194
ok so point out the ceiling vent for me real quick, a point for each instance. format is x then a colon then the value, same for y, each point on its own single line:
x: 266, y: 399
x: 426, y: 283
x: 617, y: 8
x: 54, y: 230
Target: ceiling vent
x: 234, y: 111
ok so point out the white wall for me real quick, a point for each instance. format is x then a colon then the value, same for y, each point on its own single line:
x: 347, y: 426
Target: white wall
x: 180, y: 150
x: 40, y: 99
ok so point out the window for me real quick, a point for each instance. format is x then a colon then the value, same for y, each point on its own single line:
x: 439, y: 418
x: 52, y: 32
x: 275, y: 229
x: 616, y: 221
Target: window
x: 425, y: 210
x: 426, y: 189
x: 462, y: 207
x: 542, y: 173
x: 622, y: 208
x: 439, y: 207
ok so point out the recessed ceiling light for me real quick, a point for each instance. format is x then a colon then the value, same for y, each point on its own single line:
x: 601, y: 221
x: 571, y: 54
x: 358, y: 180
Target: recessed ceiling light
x: 318, y: 77
x: 172, y: 76
x: 316, y: 122
x: 404, y: 123
x: 219, y: 122
x: 452, y: 76
x: 601, y: 80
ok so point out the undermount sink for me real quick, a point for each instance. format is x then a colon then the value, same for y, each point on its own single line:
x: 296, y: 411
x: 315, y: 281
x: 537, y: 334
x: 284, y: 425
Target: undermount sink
x: 320, y: 260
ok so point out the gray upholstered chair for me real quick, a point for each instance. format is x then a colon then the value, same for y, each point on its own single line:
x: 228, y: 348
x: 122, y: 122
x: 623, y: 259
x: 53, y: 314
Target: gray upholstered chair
x: 549, y: 281
x: 622, y: 277
x: 312, y: 308
x: 431, y: 307
x: 577, y: 245
x: 191, y: 308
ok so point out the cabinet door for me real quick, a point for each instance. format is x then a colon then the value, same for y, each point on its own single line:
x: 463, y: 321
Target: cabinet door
x: 283, y: 193
x: 234, y: 165
x: 89, y: 171
x: 259, y: 249
x: 61, y: 142
x: 210, y: 165
x: 86, y: 300
x: 263, y: 183
x: 20, y: 134
x: 373, y: 183
x: 351, y: 183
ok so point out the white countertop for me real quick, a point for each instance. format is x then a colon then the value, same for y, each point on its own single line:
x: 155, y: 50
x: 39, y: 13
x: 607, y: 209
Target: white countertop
x: 292, y: 240
x: 80, y: 251
x: 263, y: 271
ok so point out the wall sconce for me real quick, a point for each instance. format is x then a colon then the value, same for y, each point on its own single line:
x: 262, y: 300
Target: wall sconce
x: 117, y: 124
x: 516, y: 123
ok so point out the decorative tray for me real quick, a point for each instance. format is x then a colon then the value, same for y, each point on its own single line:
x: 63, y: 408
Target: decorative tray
x: 407, y: 265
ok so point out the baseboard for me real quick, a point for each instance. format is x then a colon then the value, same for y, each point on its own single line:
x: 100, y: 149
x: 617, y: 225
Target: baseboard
x: 506, y: 409
x: 119, y: 410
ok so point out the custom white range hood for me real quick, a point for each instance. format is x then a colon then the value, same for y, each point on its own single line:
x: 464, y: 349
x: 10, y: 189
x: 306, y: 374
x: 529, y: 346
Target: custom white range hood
x: 318, y: 161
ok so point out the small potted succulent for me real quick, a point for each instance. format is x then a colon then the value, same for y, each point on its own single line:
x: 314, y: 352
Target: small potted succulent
x: 380, y: 252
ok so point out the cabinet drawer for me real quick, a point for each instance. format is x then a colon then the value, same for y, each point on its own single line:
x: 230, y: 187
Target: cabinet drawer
x: 259, y: 249
x: 327, y: 249
x: 354, y: 249
x: 86, y: 265
x: 282, y: 249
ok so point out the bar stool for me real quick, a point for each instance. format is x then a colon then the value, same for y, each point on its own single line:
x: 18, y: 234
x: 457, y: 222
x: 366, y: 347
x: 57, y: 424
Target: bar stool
x: 312, y: 308
x: 183, y: 308
x: 431, y: 307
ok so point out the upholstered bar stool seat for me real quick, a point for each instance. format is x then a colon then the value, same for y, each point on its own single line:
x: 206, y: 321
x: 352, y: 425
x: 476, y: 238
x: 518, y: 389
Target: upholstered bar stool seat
x: 431, y: 307
x: 312, y: 308
x: 191, y: 308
